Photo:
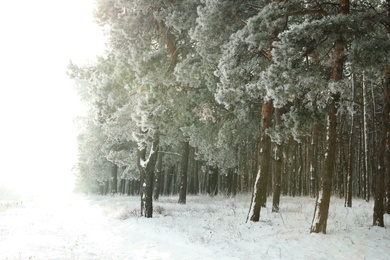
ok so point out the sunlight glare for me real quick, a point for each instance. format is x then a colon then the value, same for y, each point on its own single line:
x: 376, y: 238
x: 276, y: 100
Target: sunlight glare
x: 37, y: 100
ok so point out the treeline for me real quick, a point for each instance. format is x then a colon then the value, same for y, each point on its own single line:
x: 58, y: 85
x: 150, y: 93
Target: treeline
x: 269, y: 97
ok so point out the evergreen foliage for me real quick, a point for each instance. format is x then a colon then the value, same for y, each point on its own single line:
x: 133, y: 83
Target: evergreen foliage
x: 199, y: 71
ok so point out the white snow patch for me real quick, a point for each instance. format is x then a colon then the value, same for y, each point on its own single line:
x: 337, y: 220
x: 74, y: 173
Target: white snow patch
x: 109, y: 227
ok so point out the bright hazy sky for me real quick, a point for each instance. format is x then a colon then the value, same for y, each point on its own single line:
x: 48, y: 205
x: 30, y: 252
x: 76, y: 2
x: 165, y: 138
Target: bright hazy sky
x: 37, y: 101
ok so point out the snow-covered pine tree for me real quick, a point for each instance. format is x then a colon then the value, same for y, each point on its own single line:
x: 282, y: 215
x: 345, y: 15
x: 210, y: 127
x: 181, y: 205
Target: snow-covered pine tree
x: 105, y: 85
x: 300, y: 77
x: 92, y: 167
x: 245, y: 56
x: 319, y: 49
x: 213, y: 129
x: 152, y: 37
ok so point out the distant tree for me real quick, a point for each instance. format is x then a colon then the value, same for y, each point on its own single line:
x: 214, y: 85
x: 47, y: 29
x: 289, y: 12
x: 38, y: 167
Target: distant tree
x: 92, y: 168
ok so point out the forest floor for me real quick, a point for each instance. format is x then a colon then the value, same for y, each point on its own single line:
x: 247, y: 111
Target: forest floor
x: 109, y: 227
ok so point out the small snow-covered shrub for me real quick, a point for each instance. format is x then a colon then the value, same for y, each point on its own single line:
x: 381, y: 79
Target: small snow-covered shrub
x: 128, y: 213
x: 160, y: 210
x: 362, y: 218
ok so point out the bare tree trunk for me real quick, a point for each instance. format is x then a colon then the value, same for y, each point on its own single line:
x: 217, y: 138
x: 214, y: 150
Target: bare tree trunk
x: 146, y: 167
x: 383, y: 169
x: 106, y: 187
x: 386, y: 114
x: 114, y: 177
x: 293, y: 175
x: 314, y: 162
x: 366, y: 189
x: 386, y: 130
x: 339, y: 187
x: 278, y: 167
x: 184, y: 172
x: 259, y: 195
x: 157, y: 183
x: 212, y: 187
x: 379, y: 179
x: 168, y: 180
x: 320, y: 219
x: 351, y: 163
x: 300, y: 168
x: 245, y: 168
x: 122, y: 187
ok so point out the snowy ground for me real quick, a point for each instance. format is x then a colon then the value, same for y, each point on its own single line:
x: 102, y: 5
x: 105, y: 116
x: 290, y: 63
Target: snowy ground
x: 96, y: 227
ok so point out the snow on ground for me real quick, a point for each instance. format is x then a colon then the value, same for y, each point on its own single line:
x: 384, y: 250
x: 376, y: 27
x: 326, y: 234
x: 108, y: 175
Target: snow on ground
x: 97, y: 227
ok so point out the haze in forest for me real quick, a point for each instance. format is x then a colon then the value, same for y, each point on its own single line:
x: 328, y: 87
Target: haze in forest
x: 38, y: 101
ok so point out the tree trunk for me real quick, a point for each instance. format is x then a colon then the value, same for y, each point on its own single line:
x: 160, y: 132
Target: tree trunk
x: 351, y: 163
x: 122, y: 187
x: 195, y: 173
x: 322, y: 204
x: 278, y: 167
x: 379, y: 185
x: 244, y: 167
x: 168, y: 180
x: 183, y: 173
x: 386, y: 125
x: 300, y: 169
x: 114, y: 176
x: 314, y: 162
x: 106, y: 187
x: 212, y: 187
x: 293, y: 175
x: 384, y: 155
x: 259, y: 195
x: 157, y: 183
x: 366, y: 190
x: 146, y: 167
x: 386, y: 132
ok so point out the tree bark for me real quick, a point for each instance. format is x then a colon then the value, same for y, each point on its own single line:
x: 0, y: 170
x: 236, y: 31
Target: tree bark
x: 157, y: 183
x: 114, y: 176
x: 146, y: 167
x: 351, y: 163
x: 386, y: 114
x: 259, y: 195
x: 106, y: 187
x: 314, y: 162
x: 379, y: 184
x: 278, y: 167
x: 323, y: 199
x: 195, y: 172
x: 383, y: 169
x: 184, y: 172
x: 212, y: 187
x: 168, y: 180
x: 386, y: 132
x: 366, y: 190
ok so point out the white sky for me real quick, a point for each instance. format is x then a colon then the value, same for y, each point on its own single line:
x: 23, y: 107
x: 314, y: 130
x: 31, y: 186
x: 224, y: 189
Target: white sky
x: 37, y: 101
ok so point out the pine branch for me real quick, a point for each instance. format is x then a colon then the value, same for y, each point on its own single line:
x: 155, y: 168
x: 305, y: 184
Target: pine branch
x: 305, y: 12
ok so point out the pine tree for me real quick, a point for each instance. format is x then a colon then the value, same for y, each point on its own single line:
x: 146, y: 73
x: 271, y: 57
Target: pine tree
x: 383, y: 169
